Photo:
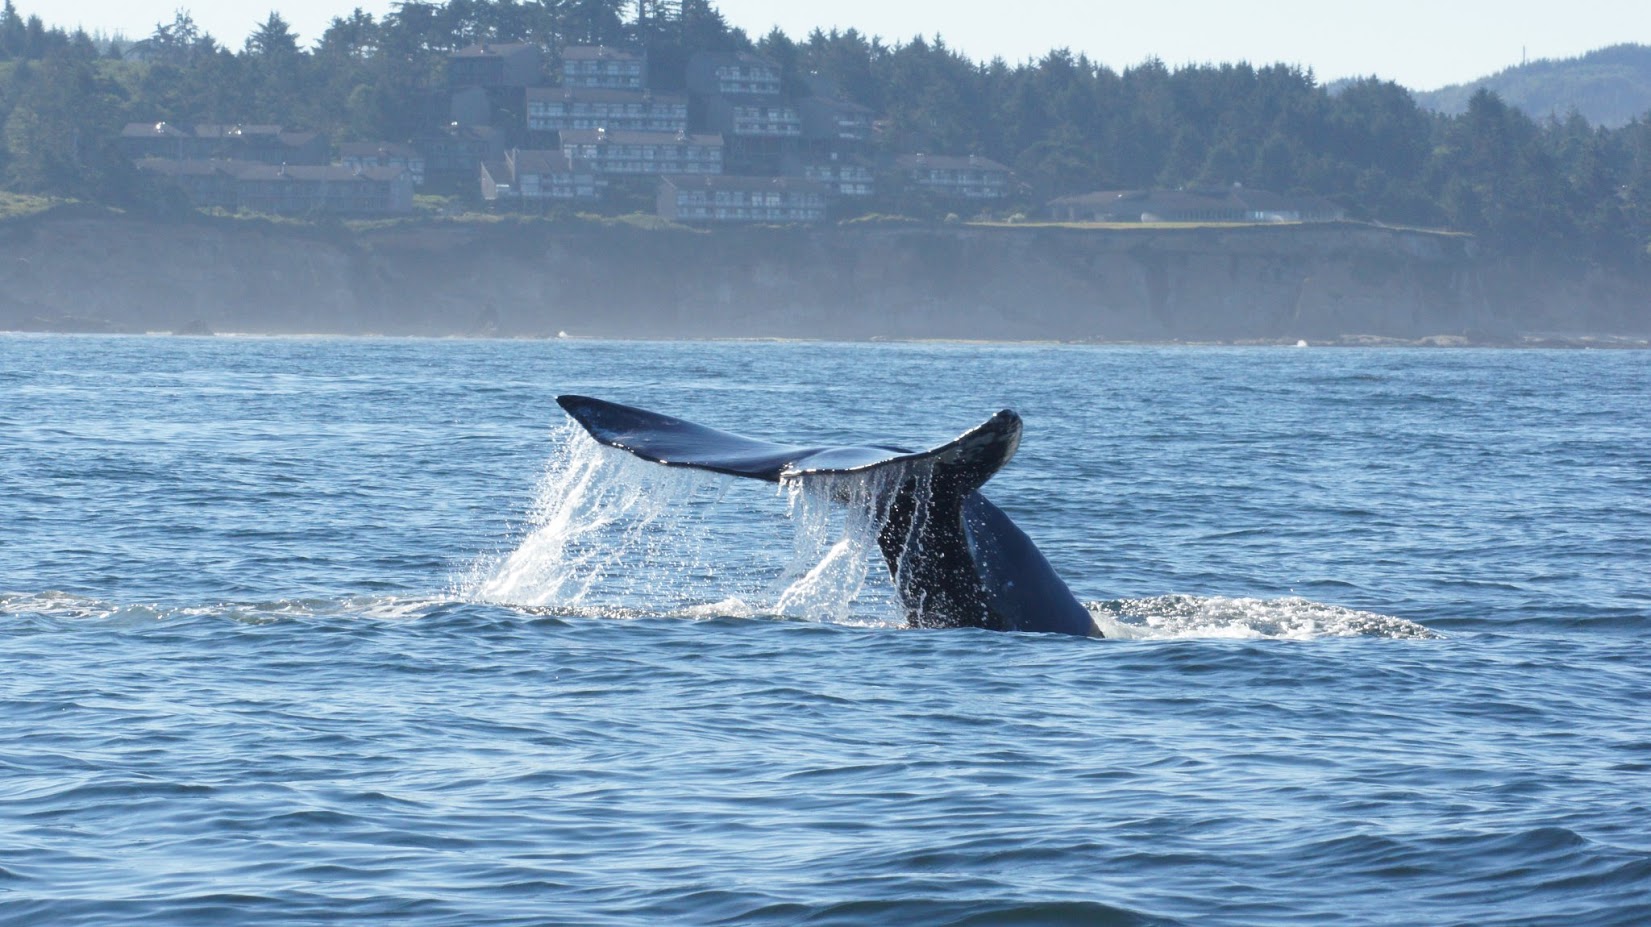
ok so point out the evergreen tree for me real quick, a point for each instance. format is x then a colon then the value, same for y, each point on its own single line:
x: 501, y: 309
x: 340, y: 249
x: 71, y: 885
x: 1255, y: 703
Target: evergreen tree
x: 57, y: 133
x: 594, y: 22
x: 354, y: 37
x: 12, y: 32
x: 272, y: 39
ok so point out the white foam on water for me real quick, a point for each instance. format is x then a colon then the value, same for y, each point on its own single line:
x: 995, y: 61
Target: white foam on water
x: 1171, y: 617
x: 70, y: 607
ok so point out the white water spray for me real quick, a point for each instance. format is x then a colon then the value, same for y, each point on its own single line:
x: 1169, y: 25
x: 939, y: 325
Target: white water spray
x: 611, y: 534
x: 835, y: 553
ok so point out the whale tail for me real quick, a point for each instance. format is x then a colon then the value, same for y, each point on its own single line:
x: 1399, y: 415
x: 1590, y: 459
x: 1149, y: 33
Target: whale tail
x: 955, y: 558
x: 964, y: 463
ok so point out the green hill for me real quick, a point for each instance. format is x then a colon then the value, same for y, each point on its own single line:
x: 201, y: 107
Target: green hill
x: 1609, y: 87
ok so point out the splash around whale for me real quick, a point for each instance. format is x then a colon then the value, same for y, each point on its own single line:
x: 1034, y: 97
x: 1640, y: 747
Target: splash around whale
x: 955, y: 559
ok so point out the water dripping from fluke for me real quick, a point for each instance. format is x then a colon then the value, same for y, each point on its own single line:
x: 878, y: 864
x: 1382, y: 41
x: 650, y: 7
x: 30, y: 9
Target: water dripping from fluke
x: 610, y: 536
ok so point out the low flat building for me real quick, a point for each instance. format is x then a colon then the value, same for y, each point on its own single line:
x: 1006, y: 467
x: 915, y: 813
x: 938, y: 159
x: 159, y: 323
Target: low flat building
x: 361, y: 155
x: 289, y: 189
x: 1265, y: 206
x: 732, y: 199
x: 602, y: 66
x: 559, y: 109
x: 535, y: 175
x: 325, y: 190
x: 970, y: 178
x: 642, y: 153
x: 169, y: 140
x: 269, y: 144
x: 206, y: 184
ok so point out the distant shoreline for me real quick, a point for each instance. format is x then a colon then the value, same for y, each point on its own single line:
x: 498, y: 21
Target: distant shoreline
x: 87, y: 270
x: 1444, y: 343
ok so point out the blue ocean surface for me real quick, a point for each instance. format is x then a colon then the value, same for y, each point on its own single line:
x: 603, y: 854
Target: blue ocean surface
x: 323, y: 631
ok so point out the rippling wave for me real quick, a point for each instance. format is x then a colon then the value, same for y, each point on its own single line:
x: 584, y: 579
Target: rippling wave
x: 313, y: 632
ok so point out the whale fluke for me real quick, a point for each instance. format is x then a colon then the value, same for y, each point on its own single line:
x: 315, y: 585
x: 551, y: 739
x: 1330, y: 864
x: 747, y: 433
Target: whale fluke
x: 956, y: 559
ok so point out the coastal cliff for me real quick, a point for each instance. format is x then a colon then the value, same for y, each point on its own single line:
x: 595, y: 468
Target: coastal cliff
x: 84, y: 270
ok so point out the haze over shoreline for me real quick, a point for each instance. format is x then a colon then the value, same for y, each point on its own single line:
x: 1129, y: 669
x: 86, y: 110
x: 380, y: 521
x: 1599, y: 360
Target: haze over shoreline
x: 1346, y: 283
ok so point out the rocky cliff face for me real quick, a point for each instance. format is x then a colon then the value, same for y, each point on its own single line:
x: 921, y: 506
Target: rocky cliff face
x: 1317, y: 282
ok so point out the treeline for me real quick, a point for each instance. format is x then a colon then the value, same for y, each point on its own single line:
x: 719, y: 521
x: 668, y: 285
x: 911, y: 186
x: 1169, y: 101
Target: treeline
x: 1066, y: 124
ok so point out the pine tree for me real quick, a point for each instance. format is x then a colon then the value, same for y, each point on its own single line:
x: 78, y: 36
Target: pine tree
x: 274, y: 38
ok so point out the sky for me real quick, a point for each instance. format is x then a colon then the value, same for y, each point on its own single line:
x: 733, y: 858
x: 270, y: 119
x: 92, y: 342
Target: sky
x: 1422, y: 44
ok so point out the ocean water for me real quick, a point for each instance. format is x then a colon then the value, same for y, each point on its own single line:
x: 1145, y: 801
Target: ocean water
x: 316, y: 631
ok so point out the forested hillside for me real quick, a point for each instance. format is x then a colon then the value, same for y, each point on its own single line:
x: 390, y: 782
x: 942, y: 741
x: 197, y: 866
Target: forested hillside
x: 1609, y: 87
x: 1065, y: 124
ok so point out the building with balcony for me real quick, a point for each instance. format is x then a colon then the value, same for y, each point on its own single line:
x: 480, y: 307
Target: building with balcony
x: 971, y: 178
x: 732, y: 73
x: 533, y: 175
x: 361, y: 155
x: 843, y: 175
x: 753, y: 117
x: 601, y: 66
x: 559, y: 109
x: 642, y: 153
x: 731, y: 199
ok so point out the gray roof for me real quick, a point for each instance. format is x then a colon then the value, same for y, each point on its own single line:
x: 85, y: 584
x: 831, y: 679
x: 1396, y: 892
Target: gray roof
x: 155, y: 130
x: 376, y: 150
x: 330, y: 173
x: 173, y: 168
x: 948, y: 163
x: 493, y: 50
x: 598, y: 136
x: 467, y: 132
x: 837, y: 104
x: 210, y: 131
x: 745, y: 59
x: 257, y: 170
x: 598, y: 52
x: 739, y: 182
x: 603, y: 95
x: 544, y: 161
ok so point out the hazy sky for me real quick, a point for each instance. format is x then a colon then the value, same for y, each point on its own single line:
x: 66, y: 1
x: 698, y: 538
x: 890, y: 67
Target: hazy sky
x: 1422, y: 44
